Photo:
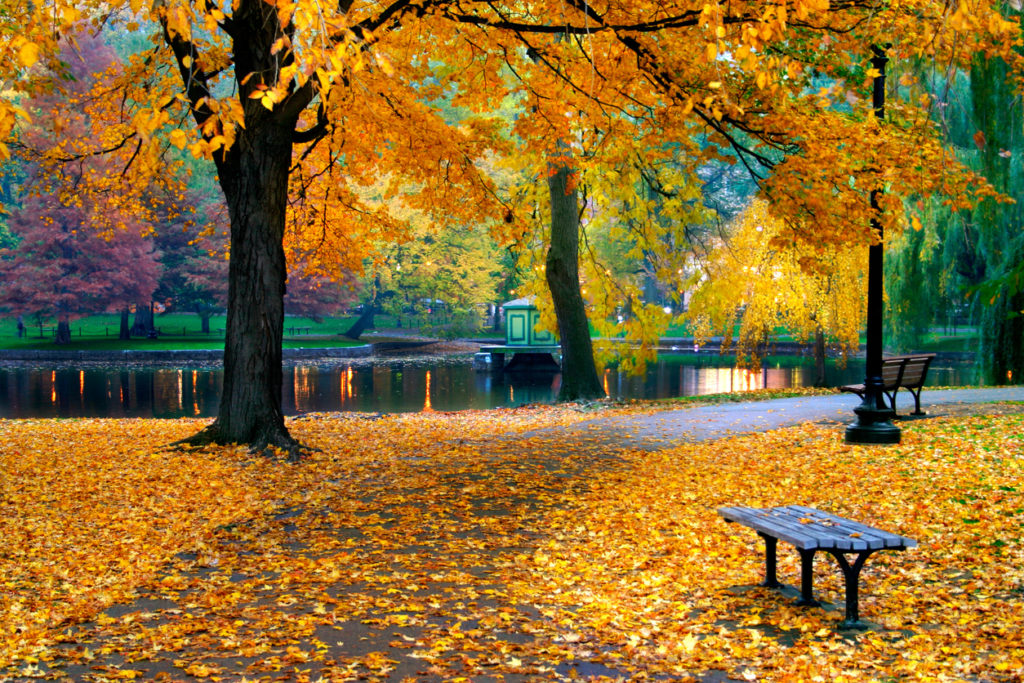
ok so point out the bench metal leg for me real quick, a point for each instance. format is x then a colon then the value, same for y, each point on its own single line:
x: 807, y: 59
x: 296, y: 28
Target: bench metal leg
x: 770, y: 544
x: 917, y: 402
x: 807, y: 579
x: 851, y: 576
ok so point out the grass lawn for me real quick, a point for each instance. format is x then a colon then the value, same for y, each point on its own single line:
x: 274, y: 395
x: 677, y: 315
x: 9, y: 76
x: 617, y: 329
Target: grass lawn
x: 183, y: 331
x: 177, y: 331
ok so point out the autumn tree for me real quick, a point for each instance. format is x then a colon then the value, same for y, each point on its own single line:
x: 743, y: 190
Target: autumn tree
x: 641, y: 208
x: 300, y: 102
x: 753, y: 282
x: 62, y: 268
x: 75, y: 253
x: 456, y: 270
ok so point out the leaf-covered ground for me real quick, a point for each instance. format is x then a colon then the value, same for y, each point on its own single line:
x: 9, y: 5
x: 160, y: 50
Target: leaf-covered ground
x: 470, y: 546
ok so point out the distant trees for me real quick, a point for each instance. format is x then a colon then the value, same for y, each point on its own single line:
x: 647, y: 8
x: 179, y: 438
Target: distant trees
x: 193, y: 256
x: 71, y: 246
x: 439, y: 278
x: 73, y: 252
x: 63, y: 269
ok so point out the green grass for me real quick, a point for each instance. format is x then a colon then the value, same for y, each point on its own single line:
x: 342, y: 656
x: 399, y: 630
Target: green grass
x: 183, y: 331
x: 967, y: 341
x: 177, y: 331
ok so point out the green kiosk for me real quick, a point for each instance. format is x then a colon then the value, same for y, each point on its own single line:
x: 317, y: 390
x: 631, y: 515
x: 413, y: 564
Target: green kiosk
x: 532, y: 348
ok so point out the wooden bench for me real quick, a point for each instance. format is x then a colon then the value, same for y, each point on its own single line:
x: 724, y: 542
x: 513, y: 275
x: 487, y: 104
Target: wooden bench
x: 906, y: 372
x: 811, y: 530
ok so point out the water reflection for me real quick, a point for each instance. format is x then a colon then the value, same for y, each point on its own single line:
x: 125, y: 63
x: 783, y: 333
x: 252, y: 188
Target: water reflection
x: 392, y: 386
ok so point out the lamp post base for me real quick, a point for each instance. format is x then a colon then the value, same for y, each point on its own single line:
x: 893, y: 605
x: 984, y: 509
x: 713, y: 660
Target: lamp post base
x: 873, y: 426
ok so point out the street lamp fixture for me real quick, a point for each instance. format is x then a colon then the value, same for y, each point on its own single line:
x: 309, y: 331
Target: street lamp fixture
x: 874, y: 416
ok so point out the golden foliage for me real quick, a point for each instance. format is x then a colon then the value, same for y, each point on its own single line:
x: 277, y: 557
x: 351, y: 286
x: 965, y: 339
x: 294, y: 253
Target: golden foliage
x: 761, y: 282
x: 472, y: 543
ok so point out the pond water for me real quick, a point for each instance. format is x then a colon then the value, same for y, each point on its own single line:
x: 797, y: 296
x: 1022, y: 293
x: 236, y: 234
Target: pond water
x: 399, y: 385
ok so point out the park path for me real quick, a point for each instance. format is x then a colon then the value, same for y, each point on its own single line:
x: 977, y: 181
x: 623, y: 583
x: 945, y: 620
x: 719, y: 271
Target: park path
x: 407, y: 581
x: 663, y: 429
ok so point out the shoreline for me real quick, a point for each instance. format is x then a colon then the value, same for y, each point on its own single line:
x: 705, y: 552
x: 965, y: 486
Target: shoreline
x: 388, y: 348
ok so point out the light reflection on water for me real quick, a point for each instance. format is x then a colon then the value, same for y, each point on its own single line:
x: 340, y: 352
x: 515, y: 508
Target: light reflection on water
x: 394, y: 386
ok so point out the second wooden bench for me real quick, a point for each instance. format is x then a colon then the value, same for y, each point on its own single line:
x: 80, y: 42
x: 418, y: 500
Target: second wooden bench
x: 907, y: 372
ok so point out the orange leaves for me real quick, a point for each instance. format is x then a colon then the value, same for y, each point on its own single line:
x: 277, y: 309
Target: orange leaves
x: 445, y: 545
x: 931, y: 604
x: 979, y: 140
x: 97, y: 513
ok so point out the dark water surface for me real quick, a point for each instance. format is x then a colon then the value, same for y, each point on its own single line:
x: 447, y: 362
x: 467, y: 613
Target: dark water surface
x: 394, y: 385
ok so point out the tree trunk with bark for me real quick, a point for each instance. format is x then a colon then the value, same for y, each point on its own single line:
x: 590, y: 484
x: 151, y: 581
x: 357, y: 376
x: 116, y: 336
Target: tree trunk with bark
x: 254, y: 178
x: 143, y: 325
x: 125, y: 332
x: 819, y: 358
x: 63, y: 331
x: 254, y: 175
x: 579, y: 372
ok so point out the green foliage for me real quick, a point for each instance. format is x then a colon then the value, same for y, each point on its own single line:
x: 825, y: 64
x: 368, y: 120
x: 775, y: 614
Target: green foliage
x: 967, y: 264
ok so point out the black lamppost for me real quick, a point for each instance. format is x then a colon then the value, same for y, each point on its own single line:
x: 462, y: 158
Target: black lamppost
x: 874, y: 416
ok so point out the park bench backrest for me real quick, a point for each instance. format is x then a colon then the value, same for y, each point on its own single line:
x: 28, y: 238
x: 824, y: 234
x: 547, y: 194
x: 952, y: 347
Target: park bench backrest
x: 914, y: 371
x: 892, y: 372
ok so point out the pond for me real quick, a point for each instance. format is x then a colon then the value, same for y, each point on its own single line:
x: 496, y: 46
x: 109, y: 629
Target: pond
x: 395, y: 385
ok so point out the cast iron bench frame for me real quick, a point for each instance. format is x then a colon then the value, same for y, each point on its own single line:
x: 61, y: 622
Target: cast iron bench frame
x: 907, y: 372
x: 811, y: 530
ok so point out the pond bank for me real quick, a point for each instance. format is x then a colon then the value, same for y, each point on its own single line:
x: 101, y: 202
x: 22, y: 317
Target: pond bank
x: 388, y: 346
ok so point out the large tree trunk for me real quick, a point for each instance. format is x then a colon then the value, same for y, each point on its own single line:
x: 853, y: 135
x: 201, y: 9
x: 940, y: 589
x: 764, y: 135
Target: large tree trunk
x: 579, y: 372
x: 125, y: 332
x: 253, y: 174
x: 254, y: 177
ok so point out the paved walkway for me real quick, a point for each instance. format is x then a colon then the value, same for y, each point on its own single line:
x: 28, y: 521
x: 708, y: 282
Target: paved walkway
x: 659, y: 430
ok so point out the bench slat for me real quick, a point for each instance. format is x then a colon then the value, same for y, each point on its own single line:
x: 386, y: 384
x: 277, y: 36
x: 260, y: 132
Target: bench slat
x: 891, y: 540
x: 784, y: 523
x: 781, y: 521
x: 753, y: 518
x: 832, y: 536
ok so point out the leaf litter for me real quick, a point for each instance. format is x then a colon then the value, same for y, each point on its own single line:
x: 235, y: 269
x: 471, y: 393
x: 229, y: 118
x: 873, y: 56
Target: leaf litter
x: 476, y: 546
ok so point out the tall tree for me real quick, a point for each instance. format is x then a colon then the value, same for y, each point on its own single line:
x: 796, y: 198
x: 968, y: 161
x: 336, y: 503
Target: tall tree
x: 336, y: 96
x: 562, y: 271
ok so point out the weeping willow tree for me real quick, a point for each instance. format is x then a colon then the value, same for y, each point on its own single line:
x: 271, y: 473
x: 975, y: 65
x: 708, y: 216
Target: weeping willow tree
x: 998, y: 117
x: 970, y: 261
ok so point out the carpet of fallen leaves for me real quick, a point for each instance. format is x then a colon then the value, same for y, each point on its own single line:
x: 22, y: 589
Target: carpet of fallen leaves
x: 488, y: 546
